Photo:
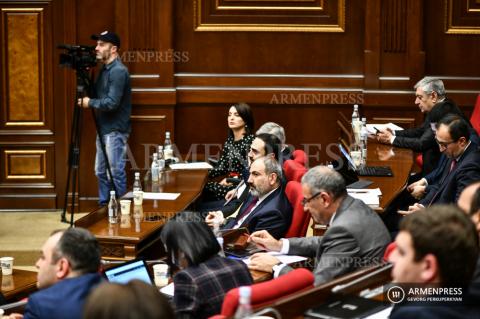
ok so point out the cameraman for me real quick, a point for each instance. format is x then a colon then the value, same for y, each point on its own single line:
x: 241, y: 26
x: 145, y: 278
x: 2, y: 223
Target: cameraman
x: 112, y: 105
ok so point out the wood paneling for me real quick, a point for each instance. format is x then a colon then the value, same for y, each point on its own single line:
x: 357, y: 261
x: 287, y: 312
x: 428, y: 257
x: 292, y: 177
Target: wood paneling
x: 267, y: 15
x: 23, y: 59
x: 191, y: 59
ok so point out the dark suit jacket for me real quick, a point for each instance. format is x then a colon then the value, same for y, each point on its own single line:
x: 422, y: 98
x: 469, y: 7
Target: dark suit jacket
x: 273, y: 214
x: 64, y: 299
x: 466, y: 171
x: 422, y: 311
x: 356, y: 238
x: 199, y: 290
x: 422, y: 139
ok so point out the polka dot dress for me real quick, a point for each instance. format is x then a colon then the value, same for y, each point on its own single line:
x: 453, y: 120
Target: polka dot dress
x: 232, y: 160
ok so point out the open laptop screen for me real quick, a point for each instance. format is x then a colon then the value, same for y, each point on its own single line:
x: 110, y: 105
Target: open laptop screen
x: 126, y: 272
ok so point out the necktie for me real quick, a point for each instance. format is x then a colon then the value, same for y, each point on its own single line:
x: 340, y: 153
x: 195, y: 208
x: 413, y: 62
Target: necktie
x: 248, y: 209
x: 452, y: 166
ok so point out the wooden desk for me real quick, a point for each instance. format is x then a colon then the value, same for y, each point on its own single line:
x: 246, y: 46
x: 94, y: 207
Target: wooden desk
x: 138, y: 233
x: 19, y: 285
x: 401, y: 162
x: 295, y: 305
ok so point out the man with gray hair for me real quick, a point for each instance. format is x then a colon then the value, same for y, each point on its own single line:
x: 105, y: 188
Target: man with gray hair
x: 266, y: 206
x: 277, y: 130
x: 356, y: 236
x: 430, y: 97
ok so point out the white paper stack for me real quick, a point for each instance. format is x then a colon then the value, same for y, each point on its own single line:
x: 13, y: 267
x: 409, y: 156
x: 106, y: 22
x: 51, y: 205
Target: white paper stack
x: 371, y: 197
x: 196, y: 165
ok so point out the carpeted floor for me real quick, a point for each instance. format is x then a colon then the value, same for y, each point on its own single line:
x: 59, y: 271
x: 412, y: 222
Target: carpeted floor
x: 23, y: 234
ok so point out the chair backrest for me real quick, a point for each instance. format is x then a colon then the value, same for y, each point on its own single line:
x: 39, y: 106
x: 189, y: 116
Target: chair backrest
x: 475, y: 118
x: 293, y: 170
x: 266, y: 292
x: 300, y: 218
x: 300, y: 157
x: 390, y: 248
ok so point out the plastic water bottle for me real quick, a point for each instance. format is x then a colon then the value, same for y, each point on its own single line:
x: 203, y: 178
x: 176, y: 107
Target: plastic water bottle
x: 364, y: 139
x: 356, y: 124
x: 137, y: 185
x: 155, y: 169
x: 112, y: 209
x: 167, y: 147
x: 219, y: 237
x: 161, y: 158
x: 244, y: 309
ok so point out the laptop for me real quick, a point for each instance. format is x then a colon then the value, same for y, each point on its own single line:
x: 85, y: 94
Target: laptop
x: 123, y: 273
x: 367, y: 170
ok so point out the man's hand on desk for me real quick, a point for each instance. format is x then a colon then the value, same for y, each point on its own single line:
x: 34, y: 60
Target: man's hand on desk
x: 412, y: 209
x: 385, y: 136
x: 214, y: 217
x: 263, y: 262
x: 266, y: 241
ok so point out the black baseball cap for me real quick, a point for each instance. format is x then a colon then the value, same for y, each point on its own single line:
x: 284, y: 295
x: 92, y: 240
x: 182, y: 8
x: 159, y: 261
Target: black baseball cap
x: 107, y: 36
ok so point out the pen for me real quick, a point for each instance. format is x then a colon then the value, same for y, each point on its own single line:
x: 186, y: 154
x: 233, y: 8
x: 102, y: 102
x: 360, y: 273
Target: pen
x: 376, y: 129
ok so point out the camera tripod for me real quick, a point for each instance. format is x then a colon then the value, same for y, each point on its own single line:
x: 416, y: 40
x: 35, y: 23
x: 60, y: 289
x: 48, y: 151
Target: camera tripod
x: 84, y: 85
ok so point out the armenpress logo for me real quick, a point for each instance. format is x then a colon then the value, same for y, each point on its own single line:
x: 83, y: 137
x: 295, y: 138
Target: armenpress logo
x: 395, y: 294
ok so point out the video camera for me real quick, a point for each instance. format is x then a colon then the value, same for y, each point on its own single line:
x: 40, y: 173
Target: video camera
x: 78, y: 57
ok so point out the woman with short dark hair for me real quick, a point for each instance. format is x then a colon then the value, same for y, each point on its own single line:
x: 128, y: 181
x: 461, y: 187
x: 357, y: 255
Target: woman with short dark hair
x: 233, y: 160
x: 203, y: 277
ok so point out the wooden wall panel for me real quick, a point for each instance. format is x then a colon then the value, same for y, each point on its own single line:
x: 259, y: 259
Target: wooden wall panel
x: 27, y: 141
x: 189, y: 60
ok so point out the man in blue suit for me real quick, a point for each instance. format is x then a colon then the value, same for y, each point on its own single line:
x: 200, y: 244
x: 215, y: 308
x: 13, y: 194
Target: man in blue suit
x: 462, y: 165
x: 67, y: 271
x: 266, y: 206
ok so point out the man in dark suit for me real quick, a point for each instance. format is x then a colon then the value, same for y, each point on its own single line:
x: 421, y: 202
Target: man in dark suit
x: 437, y: 248
x: 431, y: 99
x: 266, y: 206
x: 356, y: 236
x: 67, y: 271
x: 462, y: 167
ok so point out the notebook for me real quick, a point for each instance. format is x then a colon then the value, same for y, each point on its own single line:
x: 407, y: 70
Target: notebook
x: 347, y: 308
x: 123, y: 273
x: 367, y: 170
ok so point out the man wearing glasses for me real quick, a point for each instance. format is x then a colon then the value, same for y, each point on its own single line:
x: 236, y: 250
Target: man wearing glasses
x: 429, y: 96
x: 462, y: 167
x: 356, y: 236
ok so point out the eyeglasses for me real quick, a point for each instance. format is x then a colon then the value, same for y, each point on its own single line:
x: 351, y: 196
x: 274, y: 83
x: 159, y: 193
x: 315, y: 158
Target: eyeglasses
x: 444, y: 144
x: 305, y: 201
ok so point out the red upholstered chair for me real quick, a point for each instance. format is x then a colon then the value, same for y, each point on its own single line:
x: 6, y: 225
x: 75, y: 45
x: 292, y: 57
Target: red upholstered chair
x: 419, y: 160
x: 390, y: 248
x: 293, y: 170
x: 475, y: 118
x: 300, y: 218
x: 300, y: 157
x: 266, y: 292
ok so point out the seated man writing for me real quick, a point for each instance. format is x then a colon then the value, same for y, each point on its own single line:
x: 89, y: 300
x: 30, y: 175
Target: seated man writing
x: 356, y: 237
x: 266, y: 207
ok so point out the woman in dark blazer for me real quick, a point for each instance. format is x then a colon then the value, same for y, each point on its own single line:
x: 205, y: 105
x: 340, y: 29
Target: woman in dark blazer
x: 203, y: 277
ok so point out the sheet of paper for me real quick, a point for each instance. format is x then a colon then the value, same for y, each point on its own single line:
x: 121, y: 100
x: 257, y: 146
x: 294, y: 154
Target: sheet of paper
x: 369, y: 197
x: 372, y: 191
x: 285, y: 259
x: 371, y: 127
x: 168, y: 289
x: 382, y: 314
x: 196, y: 165
x: 162, y: 196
